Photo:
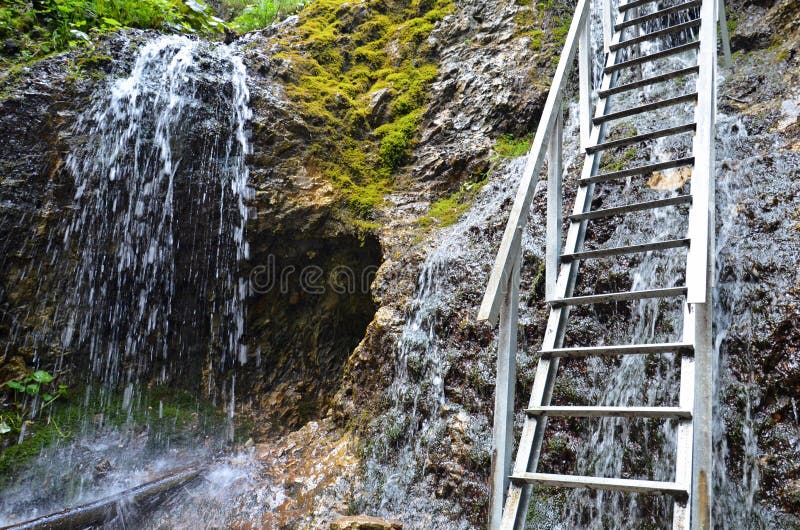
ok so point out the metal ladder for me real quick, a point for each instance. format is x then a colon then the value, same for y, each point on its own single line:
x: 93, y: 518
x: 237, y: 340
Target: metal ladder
x: 691, y: 489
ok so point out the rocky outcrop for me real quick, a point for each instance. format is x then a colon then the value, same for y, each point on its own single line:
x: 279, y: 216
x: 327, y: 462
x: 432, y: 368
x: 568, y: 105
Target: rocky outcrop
x: 364, y: 522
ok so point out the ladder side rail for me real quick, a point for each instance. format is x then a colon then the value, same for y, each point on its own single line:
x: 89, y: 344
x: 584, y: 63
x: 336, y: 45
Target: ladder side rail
x: 703, y: 149
x: 683, y: 456
x: 699, y: 270
x: 503, y: 423
x: 585, y: 80
x: 510, y: 244
x: 607, y: 17
x: 550, y: 130
x: 723, y: 31
x: 555, y: 199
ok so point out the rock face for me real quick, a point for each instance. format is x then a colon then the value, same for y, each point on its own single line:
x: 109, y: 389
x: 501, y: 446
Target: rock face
x: 310, y: 269
x: 364, y: 522
x: 386, y: 381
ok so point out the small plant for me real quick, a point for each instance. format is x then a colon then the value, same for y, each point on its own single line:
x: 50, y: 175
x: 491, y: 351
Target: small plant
x: 25, y: 391
x: 262, y: 13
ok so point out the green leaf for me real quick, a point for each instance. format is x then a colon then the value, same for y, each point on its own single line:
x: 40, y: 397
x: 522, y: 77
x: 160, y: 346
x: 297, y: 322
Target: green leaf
x: 32, y: 389
x: 40, y: 376
x: 111, y: 22
x: 47, y: 397
x: 195, y: 6
x: 19, y: 387
x: 4, y: 427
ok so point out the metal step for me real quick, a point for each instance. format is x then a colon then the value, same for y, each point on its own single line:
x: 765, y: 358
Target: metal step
x: 648, y: 81
x: 652, y: 56
x: 657, y: 14
x: 688, y: 127
x: 647, y: 107
x: 641, y: 170
x: 626, y: 349
x: 635, y: 3
x: 631, y: 249
x: 601, y: 483
x: 619, y: 297
x: 611, y: 412
x: 634, y: 207
x: 655, y: 34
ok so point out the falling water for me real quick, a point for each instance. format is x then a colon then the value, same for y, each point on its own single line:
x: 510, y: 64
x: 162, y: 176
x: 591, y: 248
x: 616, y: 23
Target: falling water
x: 151, y: 254
x: 161, y: 185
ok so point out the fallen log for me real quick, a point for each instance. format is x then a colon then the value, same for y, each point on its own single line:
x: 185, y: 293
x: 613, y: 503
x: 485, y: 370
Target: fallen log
x: 142, y: 497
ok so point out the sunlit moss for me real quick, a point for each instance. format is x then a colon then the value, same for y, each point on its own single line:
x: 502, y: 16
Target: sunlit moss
x: 447, y: 210
x: 508, y: 146
x: 339, y: 65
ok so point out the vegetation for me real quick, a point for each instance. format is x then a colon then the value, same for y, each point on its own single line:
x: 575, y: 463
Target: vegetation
x: 507, y: 146
x: 32, y: 29
x: 360, y: 83
x: 546, y: 23
x: 170, y: 416
x: 447, y: 210
x: 261, y: 13
x: 31, y: 395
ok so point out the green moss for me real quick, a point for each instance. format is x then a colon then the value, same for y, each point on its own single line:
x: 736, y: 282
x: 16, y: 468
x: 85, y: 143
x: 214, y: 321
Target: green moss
x: 733, y: 22
x: 537, y: 37
x: 508, y: 146
x: 546, y: 24
x: 618, y: 163
x: 336, y: 73
x: 447, y: 210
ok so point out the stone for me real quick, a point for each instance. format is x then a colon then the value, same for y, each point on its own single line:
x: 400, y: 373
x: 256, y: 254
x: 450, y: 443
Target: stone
x: 365, y: 522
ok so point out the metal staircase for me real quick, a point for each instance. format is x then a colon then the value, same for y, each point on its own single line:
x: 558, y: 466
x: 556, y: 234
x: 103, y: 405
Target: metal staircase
x: 691, y: 488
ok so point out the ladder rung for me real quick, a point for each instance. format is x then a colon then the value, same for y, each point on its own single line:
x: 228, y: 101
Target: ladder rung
x: 631, y: 249
x: 648, y: 81
x: 647, y: 107
x: 619, y: 297
x: 641, y: 170
x: 652, y: 57
x: 641, y: 137
x: 654, y: 34
x: 635, y: 3
x: 601, y: 483
x: 634, y: 207
x: 657, y: 14
x: 611, y: 412
x: 625, y: 349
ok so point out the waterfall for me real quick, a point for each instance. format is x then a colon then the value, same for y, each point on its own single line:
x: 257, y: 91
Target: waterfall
x: 159, y: 215
x: 151, y: 292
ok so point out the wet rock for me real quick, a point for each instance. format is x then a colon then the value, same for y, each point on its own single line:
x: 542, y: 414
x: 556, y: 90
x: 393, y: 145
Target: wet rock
x: 364, y: 522
x: 753, y: 32
x: 102, y: 468
x: 10, y: 47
